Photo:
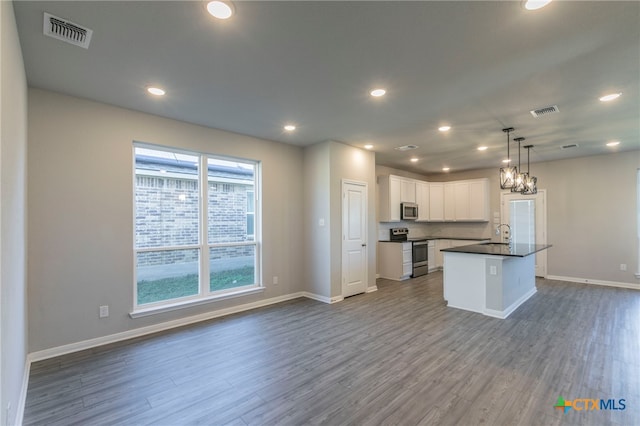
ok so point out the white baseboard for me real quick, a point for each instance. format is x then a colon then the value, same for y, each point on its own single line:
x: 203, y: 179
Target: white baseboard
x: 515, y: 305
x: 142, y: 331
x: 22, y: 398
x: 372, y: 289
x: 321, y: 298
x: 635, y: 286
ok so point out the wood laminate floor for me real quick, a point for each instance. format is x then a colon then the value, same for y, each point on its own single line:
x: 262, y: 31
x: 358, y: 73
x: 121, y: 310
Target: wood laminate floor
x: 395, y: 356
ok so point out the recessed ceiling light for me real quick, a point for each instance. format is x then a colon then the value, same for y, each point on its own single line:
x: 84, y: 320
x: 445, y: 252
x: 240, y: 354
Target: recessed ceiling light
x: 368, y: 146
x: 507, y: 160
x: 220, y: 9
x: 289, y: 127
x: 414, y: 160
x: 610, y: 97
x: 536, y: 4
x: 444, y: 128
x: 155, y: 91
x: 482, y: 148
x: 378, y: 92
x: 445, y: 169
x: 613, y: 143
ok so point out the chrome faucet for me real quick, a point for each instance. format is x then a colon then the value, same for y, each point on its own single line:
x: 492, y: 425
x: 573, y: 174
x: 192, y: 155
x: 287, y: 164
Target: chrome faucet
x: 507, y: 235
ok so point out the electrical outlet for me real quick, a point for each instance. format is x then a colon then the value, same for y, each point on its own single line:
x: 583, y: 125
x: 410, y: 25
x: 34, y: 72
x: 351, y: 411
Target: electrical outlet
x: 493, y: 270
x: 104, y: 311
x: 275, y: 280
x: 623, y: 266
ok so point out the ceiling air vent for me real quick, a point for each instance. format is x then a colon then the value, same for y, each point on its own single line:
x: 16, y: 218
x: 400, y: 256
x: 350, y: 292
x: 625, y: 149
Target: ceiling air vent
x: 66, y: 31
x: 545, y: 111
x: 406, y: 147
x: 572, y: 145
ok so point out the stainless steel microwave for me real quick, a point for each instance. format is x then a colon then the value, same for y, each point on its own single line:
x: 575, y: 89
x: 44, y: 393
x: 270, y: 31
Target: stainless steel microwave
x: 408, y: 211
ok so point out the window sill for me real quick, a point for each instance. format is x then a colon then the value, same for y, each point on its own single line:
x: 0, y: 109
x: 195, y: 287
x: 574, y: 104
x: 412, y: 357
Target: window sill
x: 144, y: 312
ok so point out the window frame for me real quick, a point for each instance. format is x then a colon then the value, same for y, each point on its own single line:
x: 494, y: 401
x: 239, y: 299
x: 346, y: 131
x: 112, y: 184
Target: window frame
x: 204, y: 295
x: 251, y: 212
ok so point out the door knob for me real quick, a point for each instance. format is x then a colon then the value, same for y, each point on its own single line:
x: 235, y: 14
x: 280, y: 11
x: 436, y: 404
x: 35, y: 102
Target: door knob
x: 364, y: 245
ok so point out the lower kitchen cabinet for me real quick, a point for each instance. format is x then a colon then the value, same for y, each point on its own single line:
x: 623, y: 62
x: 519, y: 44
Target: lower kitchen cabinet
x: 431, y: 253
x: 441, y: 244
x: 395, y: 260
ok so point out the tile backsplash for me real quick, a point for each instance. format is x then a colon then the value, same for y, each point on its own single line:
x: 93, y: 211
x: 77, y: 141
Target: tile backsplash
x: 421, y: 229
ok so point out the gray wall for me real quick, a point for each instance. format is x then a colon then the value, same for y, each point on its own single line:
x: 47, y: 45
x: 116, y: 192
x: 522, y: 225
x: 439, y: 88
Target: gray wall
x: 13, y: 216
x: 316, y: 207
x: 81, y: 219
x: 326, y: 165
x: 591, y: 214
x: 356, y: 164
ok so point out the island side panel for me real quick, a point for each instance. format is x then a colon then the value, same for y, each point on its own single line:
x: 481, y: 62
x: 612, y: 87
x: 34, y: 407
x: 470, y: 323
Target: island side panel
x: 494, y: 288
x: 519, y: 278
x: 464, y: 281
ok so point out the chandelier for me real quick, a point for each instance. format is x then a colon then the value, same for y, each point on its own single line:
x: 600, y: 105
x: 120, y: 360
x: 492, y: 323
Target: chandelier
x: 530, y: 182
x: 518, y: 184
x: 509, y: 172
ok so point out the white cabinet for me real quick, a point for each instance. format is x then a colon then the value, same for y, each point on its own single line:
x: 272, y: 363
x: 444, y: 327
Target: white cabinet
x: 438, y: 262
x: 449, y: 201
x: 392, y: 191
x: 456, y: 201
x: 407, y: 190
x: 466, y: 201
x: 389, y: 198
x: 431, y: 253
x: 422, y: 199
x: 395, y: 260
x: 441, y: 244
x: 479, y: 200
x: 461, y: 200
x: 436, y: 202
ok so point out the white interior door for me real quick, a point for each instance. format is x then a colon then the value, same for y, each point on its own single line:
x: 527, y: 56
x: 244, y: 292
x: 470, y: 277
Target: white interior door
x: 527, y: 217
x: 354, y: 238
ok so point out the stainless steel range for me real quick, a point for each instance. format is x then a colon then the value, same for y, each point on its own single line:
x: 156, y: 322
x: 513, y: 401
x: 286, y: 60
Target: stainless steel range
x: 420, y: 252
x: 420, y: 258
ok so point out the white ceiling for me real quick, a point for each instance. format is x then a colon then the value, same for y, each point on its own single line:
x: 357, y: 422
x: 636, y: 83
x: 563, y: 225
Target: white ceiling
x: 478, y: 66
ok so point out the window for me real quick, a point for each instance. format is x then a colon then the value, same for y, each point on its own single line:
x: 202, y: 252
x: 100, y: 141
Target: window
x: 187, y: 249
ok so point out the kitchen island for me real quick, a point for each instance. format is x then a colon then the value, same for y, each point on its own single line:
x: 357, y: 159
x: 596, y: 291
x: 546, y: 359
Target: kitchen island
x: 493, y: 279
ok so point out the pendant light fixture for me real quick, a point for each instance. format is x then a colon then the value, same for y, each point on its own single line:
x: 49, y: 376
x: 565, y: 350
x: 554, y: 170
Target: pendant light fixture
x: 518, y: 185
x: 530, y: 182
x: 508, y: 173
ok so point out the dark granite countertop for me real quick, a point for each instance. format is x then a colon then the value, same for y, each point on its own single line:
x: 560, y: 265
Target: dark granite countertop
x: 499, y: 249
x: 427, y: 238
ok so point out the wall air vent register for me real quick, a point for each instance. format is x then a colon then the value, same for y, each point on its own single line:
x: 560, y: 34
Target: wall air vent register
x: 67, y: 31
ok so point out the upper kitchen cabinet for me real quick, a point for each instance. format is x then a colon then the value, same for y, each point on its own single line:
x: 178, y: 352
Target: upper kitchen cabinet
x: 407, y: 190
x: 467, y: 201
x: 479, y: 200
x: 394, y: 190
x: 457, y: 201
x: 389, y: 198
x: 450, y: 201
x: 436, y: 202
x: 422, y: 200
